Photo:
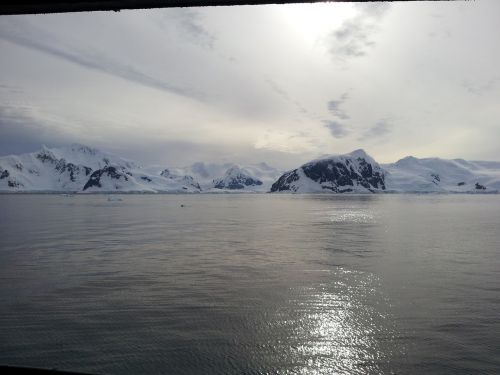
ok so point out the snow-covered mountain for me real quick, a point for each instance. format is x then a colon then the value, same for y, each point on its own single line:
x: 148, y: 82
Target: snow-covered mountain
x: 226, y: 177
x: 440, y: 175
x: 236, y: 178
x: 79, y: 168
x: 357, y: 172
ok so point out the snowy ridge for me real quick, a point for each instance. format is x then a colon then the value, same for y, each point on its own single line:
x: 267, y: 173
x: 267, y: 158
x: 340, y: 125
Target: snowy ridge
x: 236, y: 178
x: 217, y: 178
x: 442, y: 176
x: 356, y: 172
x: 79, y: 168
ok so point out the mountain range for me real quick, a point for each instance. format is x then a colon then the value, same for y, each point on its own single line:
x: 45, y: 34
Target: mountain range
x: 79, y: 168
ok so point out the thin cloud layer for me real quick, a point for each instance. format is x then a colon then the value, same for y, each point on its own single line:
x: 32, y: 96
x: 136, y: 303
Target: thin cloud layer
x: 28, y: 36
x: 190, y: 22
x: 380, y: 129
x: 337, y: 129
x: 183, y: 85
x: 335, y: 107
x: 356, y: 36
x: 481, y: 88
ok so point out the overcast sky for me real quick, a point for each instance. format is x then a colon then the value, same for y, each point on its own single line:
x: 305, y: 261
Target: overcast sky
x: 277, y: 83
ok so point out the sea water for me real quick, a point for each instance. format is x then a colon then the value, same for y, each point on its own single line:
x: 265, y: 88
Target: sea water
x: 251, y: 283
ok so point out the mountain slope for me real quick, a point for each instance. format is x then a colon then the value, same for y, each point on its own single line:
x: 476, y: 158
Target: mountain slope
x: 226, y: 177
x: 411, y: 174
x: 353, y: 172
x: 79, y: 168
x: 357, y: 172
x: 236, y: 178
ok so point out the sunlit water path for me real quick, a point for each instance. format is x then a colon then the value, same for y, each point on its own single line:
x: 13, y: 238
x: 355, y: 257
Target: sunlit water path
x: 251, y: 284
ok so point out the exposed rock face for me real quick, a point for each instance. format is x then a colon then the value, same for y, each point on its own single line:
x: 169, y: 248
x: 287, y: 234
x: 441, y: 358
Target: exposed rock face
x: 286, y: 181
x: 72, y: 169
x: 186, y: 180
x: 81, y: 168
x: 354, y: 172
x: 215, y: 177
x: 14, y: 184
x: 46, y: 156
x: 77, y: 167
x: 4, y: 174
x: 190, y: 181
x: 111, y: 172
x: 166, y: 173
x: 236, y: 178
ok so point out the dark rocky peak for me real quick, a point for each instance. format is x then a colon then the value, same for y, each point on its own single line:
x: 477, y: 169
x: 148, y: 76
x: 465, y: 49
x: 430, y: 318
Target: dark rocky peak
x: 46, y: 156
x: 63, y: 167
x: 236, y: 178
x: 77, y: 147
x: 167, y: 173
x: 338, y: 173
x: 286, y: 182
x: 188, y: 180
x: 110, y: 171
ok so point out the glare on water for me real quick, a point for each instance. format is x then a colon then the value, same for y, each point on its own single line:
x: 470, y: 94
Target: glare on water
x: 251, y: 284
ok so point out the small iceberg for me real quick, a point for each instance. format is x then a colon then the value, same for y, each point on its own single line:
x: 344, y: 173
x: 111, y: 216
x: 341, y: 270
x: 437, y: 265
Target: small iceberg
x: 114, y: 199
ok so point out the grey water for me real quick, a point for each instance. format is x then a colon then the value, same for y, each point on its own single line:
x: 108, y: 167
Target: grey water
x: 251, y: 284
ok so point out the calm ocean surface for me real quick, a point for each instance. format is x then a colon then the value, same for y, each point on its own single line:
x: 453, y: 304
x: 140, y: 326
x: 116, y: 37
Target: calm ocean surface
x: 251, y: 284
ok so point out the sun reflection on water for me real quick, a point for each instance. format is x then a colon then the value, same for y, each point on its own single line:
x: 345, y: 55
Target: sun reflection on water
x: 338, y: 331
x: 351, y: 216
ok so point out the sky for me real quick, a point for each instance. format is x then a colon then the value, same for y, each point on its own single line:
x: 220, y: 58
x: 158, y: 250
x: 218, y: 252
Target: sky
x: 282, y: 84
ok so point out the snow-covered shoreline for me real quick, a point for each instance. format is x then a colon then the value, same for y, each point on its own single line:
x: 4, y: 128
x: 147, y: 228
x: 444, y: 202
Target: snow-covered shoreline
x: 79, y: 169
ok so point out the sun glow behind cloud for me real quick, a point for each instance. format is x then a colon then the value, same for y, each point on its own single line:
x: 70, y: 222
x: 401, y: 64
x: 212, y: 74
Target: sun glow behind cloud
x: 280, y: 82
x: 312, y: 22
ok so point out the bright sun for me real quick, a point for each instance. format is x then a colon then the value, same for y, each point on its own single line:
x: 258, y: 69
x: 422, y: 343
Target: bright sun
x: 312, y: 21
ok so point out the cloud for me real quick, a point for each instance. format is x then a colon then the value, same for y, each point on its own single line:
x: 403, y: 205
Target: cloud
x: 480, y: 88
x: 292, y: 142
x: 278, y: 90
x: 355, y: 36
x: 444, y: 33
x: 337, y: 129
x: 334, y: 107
x: 21, y: 130
x: 379, y: 130
x: 30, y: 37
x: 10, y: 90
x: 190, y: 23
